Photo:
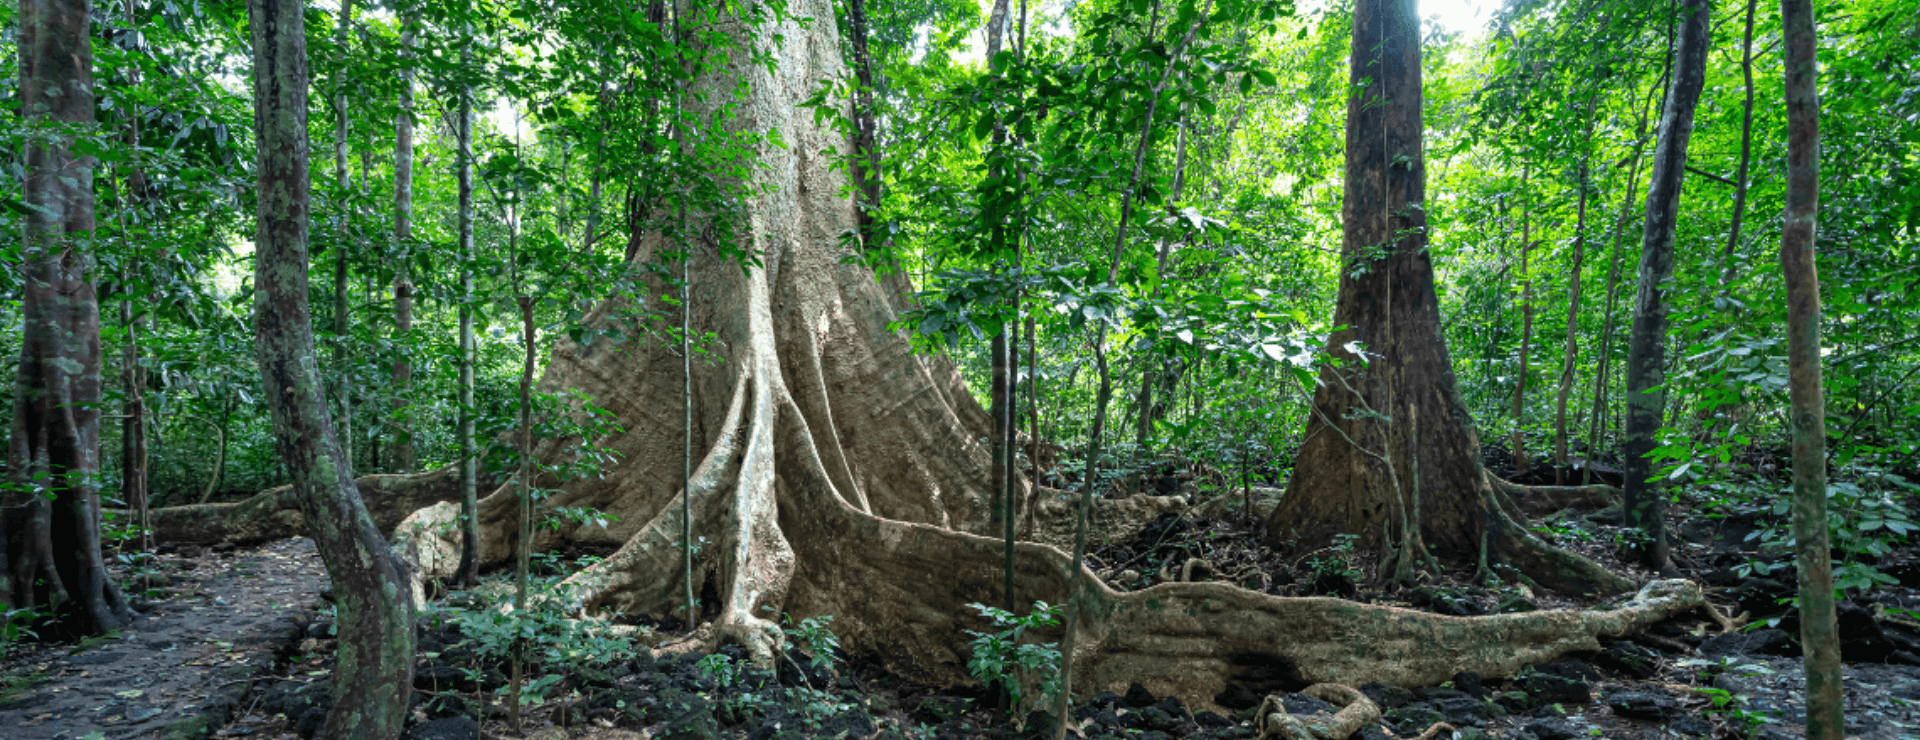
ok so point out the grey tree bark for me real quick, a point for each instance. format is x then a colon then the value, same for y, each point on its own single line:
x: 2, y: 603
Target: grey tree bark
x: 1818, y: 631
x: 50, y: 523
x: 468, y: 463
x: 1647, y: 342
x: 373, y: 670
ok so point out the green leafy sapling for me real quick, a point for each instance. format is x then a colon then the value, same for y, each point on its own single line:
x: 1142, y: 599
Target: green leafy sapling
x: 1003, y: 659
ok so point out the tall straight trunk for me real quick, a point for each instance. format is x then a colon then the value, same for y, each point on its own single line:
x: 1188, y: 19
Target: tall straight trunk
x: 1647, y: 343
x: 373, y: 670
x: 1570, y: 358
x: 341, y: 325
x: 469, y: 483
x: 403, y: 457
x: 1520, y: 463
x: 50, y: 521
x: 1728, y: 271
x: 1105, y: 394
x: 129, y: 190
x: 1601, y: 380
x: 1818, y: 633
x: 1155, y: 367
x: 1001, y: 410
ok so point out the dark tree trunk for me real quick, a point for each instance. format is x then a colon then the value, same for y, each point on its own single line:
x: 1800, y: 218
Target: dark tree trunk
x: 1646, y: 344
x: 373, y: 672
x: 403, y: 458
x: 50, y: 524
x: 1356, y: 470
x: 342, y: 326
x: 1728, y: 272
x: 469, y: 572
x: 1825, y: 720
x: 1520, y: 462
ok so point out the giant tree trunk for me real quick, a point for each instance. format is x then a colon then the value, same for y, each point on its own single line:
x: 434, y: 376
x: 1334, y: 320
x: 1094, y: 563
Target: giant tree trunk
x: 1647, y: 341
x: 50, y: 522
x: 1394, y: 424
x: 1818, y: 633
x: 842, y: 474
x: 373, y: 670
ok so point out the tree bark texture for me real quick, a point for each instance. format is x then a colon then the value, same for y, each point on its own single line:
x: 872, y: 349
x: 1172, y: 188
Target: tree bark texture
x: 1372, y: 419
x: 50, y: 523
x: 373, y: 673
x: 1818, y: 629
x: 1647, y: 341
x: 342, y: 320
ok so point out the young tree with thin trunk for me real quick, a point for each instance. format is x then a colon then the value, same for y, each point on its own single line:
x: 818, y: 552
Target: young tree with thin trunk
x: 1520, y: 462
x: 1646, y: 392
x: 403, y: 461
x: 373, y: 670
x: 469, y: 572
x: 50, y: 523
x: 1818, y: 632
x: 1601, y: 380
x: 1740, y: 183
x: 342, y: 319
x: 1570, y: 358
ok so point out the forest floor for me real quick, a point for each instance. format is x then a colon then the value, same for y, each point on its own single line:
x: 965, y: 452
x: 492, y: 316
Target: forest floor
x: 235, y: 644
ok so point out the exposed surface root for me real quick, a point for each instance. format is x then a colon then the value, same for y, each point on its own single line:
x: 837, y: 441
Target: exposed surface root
x: 275, y: 514
x: 1357, y: 711
x: 1539, y: 501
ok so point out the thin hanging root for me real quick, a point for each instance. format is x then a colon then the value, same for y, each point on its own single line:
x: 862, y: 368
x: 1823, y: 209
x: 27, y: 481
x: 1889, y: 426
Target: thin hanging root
x: 1356, y: 712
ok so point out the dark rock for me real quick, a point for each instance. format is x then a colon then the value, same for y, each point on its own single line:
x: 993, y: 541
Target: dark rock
x: 695, y: 723
x: 1154, y: 718
x: 1138, y: 696
x: 1757, y: 642
x: 1551, y: 689
x: 1691, y: 725
x: 1441, y: 602
x: 1643, y: 705
x: 1302, y: 704
x: 1630, y: 660
x: 1761, y: 596
x: 1515, y: 604
x: 1435, y: 693
x: 320, y: 630
x: 1387, y: 696
x: 310, y: 723
x: 1105, y: 700
x: 447, y: 728
x: 1573, y: 669
x: 1412, y: 720
x: 1462, y: 710
x: 1469, y: 682
x: 292, y: 699
x: 1211, y: 720
x: 1237, y: 697
x: 1514, y: 701
x: 1553, y: 728
x: 933, y: 710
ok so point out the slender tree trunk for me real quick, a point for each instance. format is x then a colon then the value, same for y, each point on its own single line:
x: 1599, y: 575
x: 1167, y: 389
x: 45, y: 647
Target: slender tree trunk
x: 1571, y: 356
x: 1646, y: 346
x: 50, y: 523
x: 403, y: 457
x: 1728, y: 269
x: 1818, y: 633
x: 373, y: 670
x: 523, y: 540
x: 1602, y: 378
x: 1520, y: 463
x: 468, y: 573
x: 866, y: 137
x: 342, y: 326
x: 1155, y: 370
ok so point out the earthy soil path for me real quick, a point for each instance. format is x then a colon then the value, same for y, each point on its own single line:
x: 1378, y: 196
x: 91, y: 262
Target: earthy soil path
x: 181, y: 670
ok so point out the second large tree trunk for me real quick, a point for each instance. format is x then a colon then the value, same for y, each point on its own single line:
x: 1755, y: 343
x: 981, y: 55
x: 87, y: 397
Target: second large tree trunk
x: 1389, y: 440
